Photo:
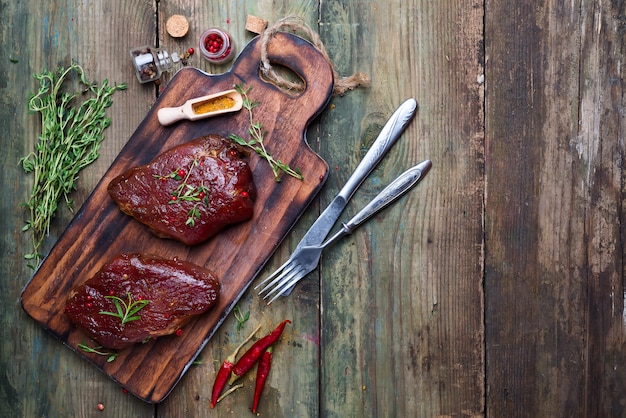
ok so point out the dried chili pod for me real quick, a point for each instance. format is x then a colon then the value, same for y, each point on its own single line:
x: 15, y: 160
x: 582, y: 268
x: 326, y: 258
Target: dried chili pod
x: 262, y: 371
x: 255, y: 352
x: 224, y: 371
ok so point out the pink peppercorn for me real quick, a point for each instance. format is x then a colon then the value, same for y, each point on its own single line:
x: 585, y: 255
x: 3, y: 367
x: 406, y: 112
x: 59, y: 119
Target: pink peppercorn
x: 216, y: 46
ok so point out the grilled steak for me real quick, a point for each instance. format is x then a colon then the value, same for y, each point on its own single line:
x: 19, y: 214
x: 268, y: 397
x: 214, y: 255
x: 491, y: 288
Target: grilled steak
x: 168, y: 292
x: 190, y: 192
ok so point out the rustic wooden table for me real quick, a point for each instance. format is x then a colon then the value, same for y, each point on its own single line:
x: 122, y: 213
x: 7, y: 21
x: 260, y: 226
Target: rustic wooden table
x: 495, y: 288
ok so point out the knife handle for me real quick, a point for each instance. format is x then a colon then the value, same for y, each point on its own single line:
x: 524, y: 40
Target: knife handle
x: 387, y: 137
x: 402, y: 184
x: 396, y: 189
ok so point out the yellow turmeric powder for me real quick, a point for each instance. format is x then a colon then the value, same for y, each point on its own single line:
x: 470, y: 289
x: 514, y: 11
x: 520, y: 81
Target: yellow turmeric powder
x: 212, y: 105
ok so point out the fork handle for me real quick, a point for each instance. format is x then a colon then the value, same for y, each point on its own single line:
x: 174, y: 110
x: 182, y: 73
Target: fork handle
x: 402, y: 184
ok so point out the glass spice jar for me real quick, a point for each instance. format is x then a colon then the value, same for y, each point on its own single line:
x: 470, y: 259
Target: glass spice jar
x: 216, y: 46
x: 150, y: 63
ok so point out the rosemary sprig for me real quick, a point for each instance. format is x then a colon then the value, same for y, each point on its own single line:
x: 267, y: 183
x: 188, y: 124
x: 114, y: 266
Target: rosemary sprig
x: 126, y: 310
x: 70, y: 138
x: 257, y: 136
x: 97, y: 350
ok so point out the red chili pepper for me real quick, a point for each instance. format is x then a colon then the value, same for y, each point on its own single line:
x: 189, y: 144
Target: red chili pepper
x: 251, y: 356
x: 224, y: 371
x: 262, y: 371
x: 220, y: 381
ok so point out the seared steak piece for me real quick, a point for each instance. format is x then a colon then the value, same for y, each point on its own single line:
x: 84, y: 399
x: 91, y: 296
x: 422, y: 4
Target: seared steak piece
x: 168, y: 292
x: 190, y: 192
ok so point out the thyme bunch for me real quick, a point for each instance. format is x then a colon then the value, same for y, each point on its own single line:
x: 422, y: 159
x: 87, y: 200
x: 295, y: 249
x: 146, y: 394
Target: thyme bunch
x: 257, y: 135
x: 70, y: 138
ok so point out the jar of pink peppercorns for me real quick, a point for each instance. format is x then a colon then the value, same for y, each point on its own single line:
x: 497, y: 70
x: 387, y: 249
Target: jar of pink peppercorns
x: 216, y: 46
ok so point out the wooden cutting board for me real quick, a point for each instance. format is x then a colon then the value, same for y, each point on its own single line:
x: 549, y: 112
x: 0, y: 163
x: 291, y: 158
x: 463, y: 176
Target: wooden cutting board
x: 100, y: 230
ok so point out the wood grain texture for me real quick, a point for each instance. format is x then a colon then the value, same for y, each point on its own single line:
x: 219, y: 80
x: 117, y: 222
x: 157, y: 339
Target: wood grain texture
x: 402, y: 297
x: 39, y: 379
x: 495, y: 288
x: 554, y: 275
x: 292, y: 386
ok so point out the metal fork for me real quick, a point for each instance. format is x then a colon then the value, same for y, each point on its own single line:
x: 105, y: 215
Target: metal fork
x: 308, y: 258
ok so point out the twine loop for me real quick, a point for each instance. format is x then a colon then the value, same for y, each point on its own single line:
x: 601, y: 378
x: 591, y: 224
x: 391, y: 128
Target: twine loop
x: 296, y: 24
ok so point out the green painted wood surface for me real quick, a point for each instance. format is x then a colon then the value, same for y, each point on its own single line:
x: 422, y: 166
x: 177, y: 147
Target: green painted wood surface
x: 494, y: 289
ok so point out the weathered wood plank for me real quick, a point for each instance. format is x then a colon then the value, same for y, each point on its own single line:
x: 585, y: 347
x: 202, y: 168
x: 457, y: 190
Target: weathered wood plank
x: 554, y: 274
x: 40, y: 376
x: 402, y: 298
x: 292, y: 387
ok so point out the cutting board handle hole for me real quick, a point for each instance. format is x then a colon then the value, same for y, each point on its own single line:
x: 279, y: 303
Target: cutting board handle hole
x: 284, y: 78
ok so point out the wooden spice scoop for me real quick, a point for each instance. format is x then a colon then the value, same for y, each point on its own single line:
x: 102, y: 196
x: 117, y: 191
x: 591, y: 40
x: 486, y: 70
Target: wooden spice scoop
x: 202, y: 107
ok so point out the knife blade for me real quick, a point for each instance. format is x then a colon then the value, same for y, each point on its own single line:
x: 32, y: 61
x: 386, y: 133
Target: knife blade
x: 387, y: 137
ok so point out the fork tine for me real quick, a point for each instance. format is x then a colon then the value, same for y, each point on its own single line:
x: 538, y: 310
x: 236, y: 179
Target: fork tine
x: 286, y: 271
x: 281, y: 287
x: 274, y: 274
x: 297, y: 269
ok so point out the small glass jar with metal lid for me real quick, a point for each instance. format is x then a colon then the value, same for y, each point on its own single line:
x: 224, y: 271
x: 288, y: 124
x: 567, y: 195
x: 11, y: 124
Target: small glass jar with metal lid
x: 150, y: 63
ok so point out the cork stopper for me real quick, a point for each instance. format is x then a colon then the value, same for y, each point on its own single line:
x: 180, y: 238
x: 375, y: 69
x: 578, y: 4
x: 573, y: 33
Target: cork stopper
x: 255, y: 24
x: 177, y: 26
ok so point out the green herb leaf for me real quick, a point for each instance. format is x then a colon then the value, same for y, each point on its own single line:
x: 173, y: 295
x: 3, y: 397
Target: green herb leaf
x: 126, y: 310
x: 240, y: 317
x: 97, y: 350
x: 118, y: 305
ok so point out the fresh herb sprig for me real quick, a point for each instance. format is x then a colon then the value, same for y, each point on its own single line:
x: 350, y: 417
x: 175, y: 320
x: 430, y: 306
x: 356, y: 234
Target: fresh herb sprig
x: 97, y: 350
x: 126, y: 310
x: 186, y: 192
x: 240, y: 317
x: 257, y: 135
x: 71, y: 134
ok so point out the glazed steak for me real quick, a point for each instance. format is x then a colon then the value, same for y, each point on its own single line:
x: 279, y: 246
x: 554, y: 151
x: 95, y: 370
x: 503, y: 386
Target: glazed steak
x: 190, y: 192
x: 170, y: 292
